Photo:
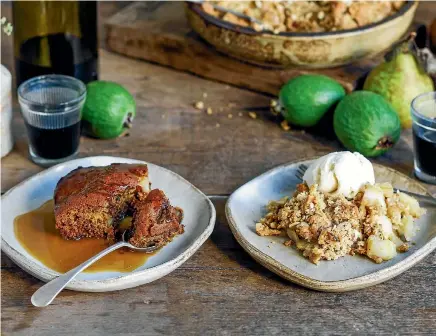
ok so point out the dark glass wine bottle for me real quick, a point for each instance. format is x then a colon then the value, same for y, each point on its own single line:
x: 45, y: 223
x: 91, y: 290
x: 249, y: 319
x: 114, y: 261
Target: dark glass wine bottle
x: 55, y: 37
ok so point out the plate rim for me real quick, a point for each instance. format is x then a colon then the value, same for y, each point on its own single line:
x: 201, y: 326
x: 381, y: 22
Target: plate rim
x: 319, y: 285
x: 30, y: 266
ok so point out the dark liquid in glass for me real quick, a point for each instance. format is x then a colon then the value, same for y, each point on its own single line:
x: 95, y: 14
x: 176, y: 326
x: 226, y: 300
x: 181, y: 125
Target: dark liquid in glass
x: 54, y: 143
x: 425, y: 150
x: 67, y: 54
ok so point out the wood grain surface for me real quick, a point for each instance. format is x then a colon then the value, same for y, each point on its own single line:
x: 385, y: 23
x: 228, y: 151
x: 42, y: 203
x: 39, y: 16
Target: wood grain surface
x: 220, y: 290
x: 160, y: 33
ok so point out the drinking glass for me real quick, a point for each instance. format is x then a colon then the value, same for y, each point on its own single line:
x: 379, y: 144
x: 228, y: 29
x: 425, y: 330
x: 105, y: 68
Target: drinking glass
x: 424, y: 136
x: 51, y: 106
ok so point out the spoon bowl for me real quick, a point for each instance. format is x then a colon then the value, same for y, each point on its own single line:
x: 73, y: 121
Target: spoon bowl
x: 46, y: 294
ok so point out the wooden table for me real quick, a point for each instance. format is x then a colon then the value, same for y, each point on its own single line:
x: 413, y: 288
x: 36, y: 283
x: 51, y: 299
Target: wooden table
x: 220, y: 290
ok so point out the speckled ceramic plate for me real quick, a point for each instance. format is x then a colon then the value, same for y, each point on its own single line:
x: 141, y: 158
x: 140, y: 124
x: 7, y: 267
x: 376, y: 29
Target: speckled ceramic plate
x: 247, y: 204
x: 199, y: 220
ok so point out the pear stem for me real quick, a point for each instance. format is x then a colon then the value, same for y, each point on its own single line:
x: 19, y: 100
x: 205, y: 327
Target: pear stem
x: 406, y: 45
x: 411, y: 37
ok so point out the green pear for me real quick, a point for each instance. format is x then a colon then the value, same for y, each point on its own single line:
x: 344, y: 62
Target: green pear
x: 399, y: 79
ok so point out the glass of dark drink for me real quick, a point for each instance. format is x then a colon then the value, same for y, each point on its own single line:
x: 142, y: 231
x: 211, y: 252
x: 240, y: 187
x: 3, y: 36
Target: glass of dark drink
x: 51, y: 106
x: 424, y: 136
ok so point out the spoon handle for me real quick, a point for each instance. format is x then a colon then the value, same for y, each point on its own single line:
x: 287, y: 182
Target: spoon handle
x: 45, y: 295
x: 419, y: 197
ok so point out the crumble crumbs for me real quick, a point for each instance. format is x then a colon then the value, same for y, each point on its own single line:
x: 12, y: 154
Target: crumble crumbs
x: 252, y: 115
x: 304, y: 16
x: 285, y: 126
x: 199, y: 105
x: 326, y: 226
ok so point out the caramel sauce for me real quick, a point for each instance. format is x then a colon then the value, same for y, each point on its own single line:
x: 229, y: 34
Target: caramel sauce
x: 36, y: 232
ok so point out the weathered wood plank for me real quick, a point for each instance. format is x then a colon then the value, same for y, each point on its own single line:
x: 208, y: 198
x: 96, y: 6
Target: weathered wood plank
x: 170, y: 132
x: 220, y: 290
x: 160, y: 34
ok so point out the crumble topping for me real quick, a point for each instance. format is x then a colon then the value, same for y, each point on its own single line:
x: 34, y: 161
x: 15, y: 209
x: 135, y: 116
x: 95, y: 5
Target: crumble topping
x: 377, y: 222
x: 305, y: 16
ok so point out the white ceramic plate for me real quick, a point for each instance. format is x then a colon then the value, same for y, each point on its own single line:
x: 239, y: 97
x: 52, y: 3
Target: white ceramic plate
x: 199, y: 220
x: 247, y: 205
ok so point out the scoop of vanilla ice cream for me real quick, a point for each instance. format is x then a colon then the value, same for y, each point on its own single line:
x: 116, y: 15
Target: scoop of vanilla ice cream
x: 340, y: 173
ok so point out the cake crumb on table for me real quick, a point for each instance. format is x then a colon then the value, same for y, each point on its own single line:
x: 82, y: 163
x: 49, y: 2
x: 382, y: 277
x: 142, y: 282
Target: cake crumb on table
x: 285, y: 126
x: 199, y: 105
x: 209, y: 111
x: 252, y: 115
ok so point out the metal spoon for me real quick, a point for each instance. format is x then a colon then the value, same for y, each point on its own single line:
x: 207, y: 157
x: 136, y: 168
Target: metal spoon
x: 46, y: 294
